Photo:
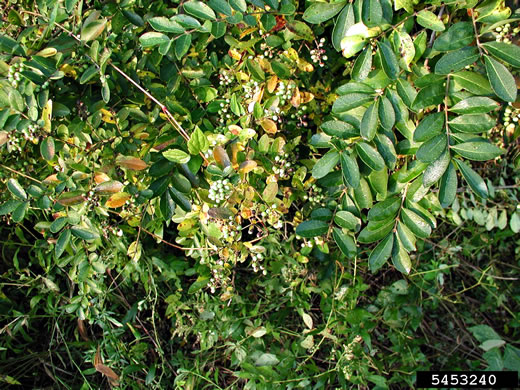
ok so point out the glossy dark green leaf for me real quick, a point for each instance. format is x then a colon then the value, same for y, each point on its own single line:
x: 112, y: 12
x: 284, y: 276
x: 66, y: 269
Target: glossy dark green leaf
x: 369, y: 122
x: 436, y: 169
x: 400, y: 258
x: 61, y: 243
x: 379, y: 182
x: 386, y: 113
x: 475, y: 105
x: 350, y: 101
x: 221, y: 6
x: 363, y: 195
x: 429, y: 127
x: 312, y: 228
x: 84, y: 234
x: 473, y: 82
x: 347, y: 220
x: 350, y: 170
x: 367, y: 236
x: 448, y: 186
x: 281, y: 70
x: 319, y: 12
x: 472, y: 123
x: 16, y: 189
x: 478, y: 151
x: 325, y: 164
x: 432, y: 149
x: 239, y: 5
x: 255, y: 69
x: 506, y: 52
x: 9, y: 206
x: 388, y: 60
x: 355, y: 87
x: 19, y: 213
x: 406, y: 92
x: 345, y: 243
x: 385, y: 209
x: 370, y: 156
x: 167, y: 206
x: 429, y: 96
x: 406, y: 236
x: 372, y: 13
x: 58, y: 224
x: 475, y: 182
x: 339, y: 129
x: 502, y: 81
x: 321, y: 214
x: 152, y: 38
x: 343, y: 23
x: 162, y: 24
x: 362, y: 65
x: 429, y: 20
x: 180, y: 199
x: 459, y: 35
x: 182, y: 45
x: 199, y: 9
x: 456, y: 60
x: 381, y: 253
x: 386, y: 149
x: 415, y: 223
x: 415, y: 168
x: 134, y: 18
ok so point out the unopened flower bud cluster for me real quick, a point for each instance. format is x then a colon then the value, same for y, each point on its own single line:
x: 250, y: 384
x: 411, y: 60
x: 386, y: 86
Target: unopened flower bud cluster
x: 272, y: 216
x: 316, y: 196
x: 511, y: 117
x: 301, y: 116
x: 506, y: 33
x: 285, y: 92
x: 256, y: 258
x: 317, y: 55
x: 220, y: 190
x: 283, y: 167
x: 251, y: 88
x: 224, y: 112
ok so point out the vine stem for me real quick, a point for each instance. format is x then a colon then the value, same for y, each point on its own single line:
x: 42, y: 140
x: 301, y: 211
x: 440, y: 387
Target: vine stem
x: 479, y: 46
x: 20, y: 173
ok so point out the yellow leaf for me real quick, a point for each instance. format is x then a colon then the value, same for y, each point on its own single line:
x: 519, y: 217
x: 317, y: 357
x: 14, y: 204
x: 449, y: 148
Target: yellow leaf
x: 272, y: 83
x: 117, y: 200
x: 247, y: 166
x: 221, y: 157
x: 69, y: 71
x: 234, y: 54
x: 306, y: 97
x: 296, y: 98
x: 269, y: 126
x: 46, y: 116
x: 101, y: 177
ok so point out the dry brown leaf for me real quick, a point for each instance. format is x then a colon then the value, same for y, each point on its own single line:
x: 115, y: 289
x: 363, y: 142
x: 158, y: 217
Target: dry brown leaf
x: 109, y: 187
x: 130, y: 162
x: 221, y: 157
x: 82, y: 330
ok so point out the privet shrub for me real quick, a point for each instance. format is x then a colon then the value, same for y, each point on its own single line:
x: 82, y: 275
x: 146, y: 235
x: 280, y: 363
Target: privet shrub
x: 235, y: 133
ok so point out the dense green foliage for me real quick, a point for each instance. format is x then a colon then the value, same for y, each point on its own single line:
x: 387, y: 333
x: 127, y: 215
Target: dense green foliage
x: 268, y: 194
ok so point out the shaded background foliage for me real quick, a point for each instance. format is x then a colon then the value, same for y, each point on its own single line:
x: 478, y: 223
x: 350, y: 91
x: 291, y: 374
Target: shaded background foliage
x: 258, y: 195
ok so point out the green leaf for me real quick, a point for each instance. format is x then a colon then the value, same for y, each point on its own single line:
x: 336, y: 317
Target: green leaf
x: 350, y: 170
x: 369, y: 122
x: 448, y: 186
x: 403, y: 44
x: 415, y: 223
x: 58, y: 224
x: 363, y: 195
x: 381, y: 253
x: 429, y: 20
x: 318, y: 13
x: 61, y: 243
x: 221, y: 6
x: 47, y: 148
x: 388, y: 60
x: 180, y: 199
x: 406, y: 4
x: 367, y: 236
x: 456, y: 60
x: 350, y: 101
x: 281, y: 70
x: 432, y: 149
x: 436, y: 169
x: 182, y: 45
x: 134, y: 18
x: 325, y: 164
x: 300, y: 29
x: 151, y: 39
x: 385, y: 209
x: 162, y: 24
x: 198, y: 142
x: 93, y: 30
x: 339, y: 129
x: 386, y: 113
x: 478, y: 151
x: 347, y: 220
x: 406, y: 236
x: 167, y: 205
x: 483, y: 333
x: 312, y: 228
x: 406, y: 92
x: 362, y: 65
x: 199, y: 10
x: 16, y: 189
x: 431, y: 95
x: 459, y: 35
x: 19, y: 213
x: 17, y: 101
x: 86, y: 235
x: 475, y: 105
x: 475, y: 182
x: 343, y: 23
x: 379, y: 182
x: 473, y: 82
x: 472, y: 123
x: 386, y: 148
x: 429, y: 127
x: 105, y: 91
x: 176, y: 155
x: 267, y: 359
x: 9, y: 206
x: 201, y: 282
x: 506, y: 52
x: 502, y: 82
x: 400, y: 257
x: 239, y: 5
x: 372, y: 13
x: 370, y: 156
x: 345, y: 243
x: 255, y: 69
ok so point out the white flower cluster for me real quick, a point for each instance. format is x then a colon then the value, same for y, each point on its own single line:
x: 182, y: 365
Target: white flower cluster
x: 511, y: 117
x: 220, y: 190
x: 13, y: 144
x: 317, y: 55
x: 256, y: 258
x: 283, y: 166
x: 224, y: 111
x: 230, y: 230
x: 268, y: 52
x: 251, y: 88
x: 505, y: 33
x: 225, y: 77
x: 29, y: 133
x: 312, y: 242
